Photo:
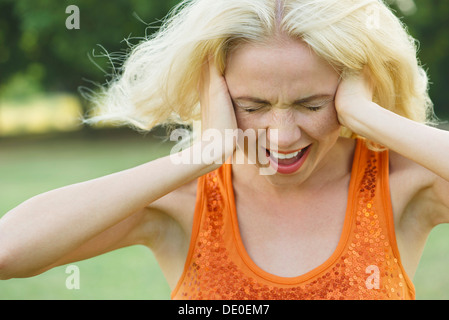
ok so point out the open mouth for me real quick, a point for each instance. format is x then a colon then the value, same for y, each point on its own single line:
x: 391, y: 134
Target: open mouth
x: 288, y: 163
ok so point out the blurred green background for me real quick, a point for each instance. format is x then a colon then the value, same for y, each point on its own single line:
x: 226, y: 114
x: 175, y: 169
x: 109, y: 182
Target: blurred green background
x: 43, y: 68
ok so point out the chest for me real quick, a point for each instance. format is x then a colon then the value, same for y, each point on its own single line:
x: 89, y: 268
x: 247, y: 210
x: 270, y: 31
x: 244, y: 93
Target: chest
x: 252, y: 247
x: 289, y: 239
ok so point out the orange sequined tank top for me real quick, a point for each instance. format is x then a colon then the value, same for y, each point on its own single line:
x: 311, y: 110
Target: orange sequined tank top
x: 365, y: 264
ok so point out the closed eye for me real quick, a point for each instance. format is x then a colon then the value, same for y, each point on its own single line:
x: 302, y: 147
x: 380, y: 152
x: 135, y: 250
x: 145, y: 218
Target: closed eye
x: 249, y: 109
x: 313, y: 108
x: 316, y: 106
x: 314, y: 103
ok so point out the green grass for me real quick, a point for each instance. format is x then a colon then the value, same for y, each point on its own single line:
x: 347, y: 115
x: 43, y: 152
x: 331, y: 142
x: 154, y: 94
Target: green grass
x: 32, y: 166
x: 432, y: 277
x: 29, y: 167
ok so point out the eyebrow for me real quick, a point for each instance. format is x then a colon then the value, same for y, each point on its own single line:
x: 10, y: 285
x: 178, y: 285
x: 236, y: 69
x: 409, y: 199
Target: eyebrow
x: 296, y: 102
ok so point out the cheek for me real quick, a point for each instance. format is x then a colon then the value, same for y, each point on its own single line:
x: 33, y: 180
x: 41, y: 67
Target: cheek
x: 325, y: 123
x: 331, y: 118
x: 245, y: 120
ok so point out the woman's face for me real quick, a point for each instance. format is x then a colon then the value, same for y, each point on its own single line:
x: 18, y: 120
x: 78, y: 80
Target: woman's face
x: 284, y: 86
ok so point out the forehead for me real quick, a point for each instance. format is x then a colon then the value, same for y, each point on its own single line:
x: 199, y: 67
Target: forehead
x: 284, y: 67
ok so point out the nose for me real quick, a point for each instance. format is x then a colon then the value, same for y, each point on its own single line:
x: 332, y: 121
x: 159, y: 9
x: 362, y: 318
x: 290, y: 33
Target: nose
x: 283, y: 131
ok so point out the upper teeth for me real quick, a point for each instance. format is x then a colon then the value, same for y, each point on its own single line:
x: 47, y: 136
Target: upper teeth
x: 283, y: 155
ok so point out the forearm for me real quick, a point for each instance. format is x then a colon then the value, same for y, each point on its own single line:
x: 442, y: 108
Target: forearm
x: 51, y: 225
x: 420, y: 143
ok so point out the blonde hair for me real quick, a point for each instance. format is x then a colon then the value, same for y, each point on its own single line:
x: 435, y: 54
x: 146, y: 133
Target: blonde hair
x: 159, y: 79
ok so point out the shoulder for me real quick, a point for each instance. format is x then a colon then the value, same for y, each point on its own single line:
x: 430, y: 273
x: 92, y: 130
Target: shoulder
x: 178, y: 202
x: 171, y: 216
x: 404, y: 169
x: 417, y: 193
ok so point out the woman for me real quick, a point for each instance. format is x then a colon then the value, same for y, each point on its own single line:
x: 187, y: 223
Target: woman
x: 358, y: 179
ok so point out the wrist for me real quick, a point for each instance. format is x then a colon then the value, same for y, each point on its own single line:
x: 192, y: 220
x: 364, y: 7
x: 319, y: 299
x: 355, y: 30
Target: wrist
x: 208, y: 154
x: 352, y: 115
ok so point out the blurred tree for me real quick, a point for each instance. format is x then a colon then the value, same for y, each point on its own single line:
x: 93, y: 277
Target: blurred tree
x: 35, y: 43
x: 428, y: 22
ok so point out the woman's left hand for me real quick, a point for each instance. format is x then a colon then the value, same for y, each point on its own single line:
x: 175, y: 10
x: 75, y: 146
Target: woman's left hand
x: 353, y: 92
x: 424, y: 145
x: 357, y: 112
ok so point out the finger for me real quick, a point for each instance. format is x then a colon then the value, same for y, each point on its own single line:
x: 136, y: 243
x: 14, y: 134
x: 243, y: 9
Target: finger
x: 204, y: 78
x: 204, y: 90
x: 213, y: 70
x: 217, y: 81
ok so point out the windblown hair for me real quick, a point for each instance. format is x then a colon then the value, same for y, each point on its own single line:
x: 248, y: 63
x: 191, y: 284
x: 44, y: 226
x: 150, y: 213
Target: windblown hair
x: 159, y: 79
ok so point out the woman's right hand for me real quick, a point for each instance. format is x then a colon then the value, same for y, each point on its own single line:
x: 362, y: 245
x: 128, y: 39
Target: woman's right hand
x: 217, y: 111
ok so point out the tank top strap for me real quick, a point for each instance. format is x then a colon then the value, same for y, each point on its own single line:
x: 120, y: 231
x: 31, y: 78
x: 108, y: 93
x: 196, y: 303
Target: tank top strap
x: 373, y: 228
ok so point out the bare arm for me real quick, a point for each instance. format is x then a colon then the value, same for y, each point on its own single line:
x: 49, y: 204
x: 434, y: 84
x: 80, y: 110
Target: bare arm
x: 51, y: 225
x: 47, y: 228
x: 424, y: 145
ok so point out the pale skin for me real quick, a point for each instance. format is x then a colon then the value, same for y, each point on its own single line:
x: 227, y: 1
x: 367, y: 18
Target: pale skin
x: 153, y: 204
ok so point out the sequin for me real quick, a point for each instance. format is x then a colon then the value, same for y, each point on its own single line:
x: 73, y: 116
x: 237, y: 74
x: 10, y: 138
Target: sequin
x: 367, y: 267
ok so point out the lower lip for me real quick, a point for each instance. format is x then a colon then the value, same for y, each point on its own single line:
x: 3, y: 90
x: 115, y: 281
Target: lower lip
x: 291, y: 168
